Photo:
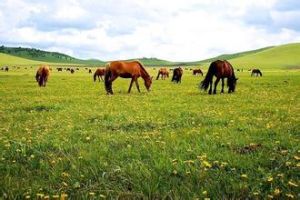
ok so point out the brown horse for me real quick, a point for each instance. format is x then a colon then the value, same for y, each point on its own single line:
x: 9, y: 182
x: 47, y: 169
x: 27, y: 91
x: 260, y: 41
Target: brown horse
x: 197, y: 71
x: 163, y: 72
x: 42, y: 75
x: 256, y: 72
x: 177, y: 74
x: 99, y: 73
x: 220, y: 69
x: 133, y: 70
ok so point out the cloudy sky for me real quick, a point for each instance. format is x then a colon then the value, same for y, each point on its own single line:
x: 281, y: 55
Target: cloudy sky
x: 177, y: 30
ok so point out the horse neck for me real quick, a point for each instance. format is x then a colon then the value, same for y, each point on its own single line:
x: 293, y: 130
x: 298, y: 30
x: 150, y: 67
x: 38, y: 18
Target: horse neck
x: 144, y: 74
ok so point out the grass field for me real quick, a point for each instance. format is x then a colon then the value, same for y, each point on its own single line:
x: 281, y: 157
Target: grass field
x: 174, y: 142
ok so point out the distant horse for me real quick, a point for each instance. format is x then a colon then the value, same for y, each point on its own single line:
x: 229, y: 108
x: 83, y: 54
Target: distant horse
x: 99, y: 73
x: 59, y: 69
x: 197, y: 71
x: 177, y: 74
x: 256, y: 72
x: 163, y: 72
x: 90, y: 71
x: 220, y: 69
x: 42, y: 75
x: 6, y: 69
x: 133, y: 70
x: 72, y: 71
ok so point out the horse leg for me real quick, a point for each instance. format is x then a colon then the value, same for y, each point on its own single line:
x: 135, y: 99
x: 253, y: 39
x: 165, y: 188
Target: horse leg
x: 222, y: 91
x: 216, y: 83
x: 130, y: 85
x: 210, y: 86
x: 101, y: 78
x: 137, y: 85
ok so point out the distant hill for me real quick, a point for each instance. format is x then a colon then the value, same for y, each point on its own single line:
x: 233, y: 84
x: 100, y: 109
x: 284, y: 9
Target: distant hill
x: 283, y: 56
x: 46, y: 56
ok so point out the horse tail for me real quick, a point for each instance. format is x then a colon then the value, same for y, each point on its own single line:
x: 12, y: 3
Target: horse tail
x: 260, y: 73
x: 205, y: 83
x: 37, y: 75
x: 107, y: 82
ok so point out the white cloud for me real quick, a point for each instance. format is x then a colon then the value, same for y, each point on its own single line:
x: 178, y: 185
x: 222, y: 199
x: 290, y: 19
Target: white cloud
x: 174, y: 30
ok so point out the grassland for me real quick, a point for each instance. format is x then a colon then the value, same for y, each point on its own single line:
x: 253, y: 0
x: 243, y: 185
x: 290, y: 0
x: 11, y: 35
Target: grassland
x: 173, y: 142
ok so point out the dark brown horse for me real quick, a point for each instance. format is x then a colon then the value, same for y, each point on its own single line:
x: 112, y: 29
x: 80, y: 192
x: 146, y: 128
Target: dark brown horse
x: 42, y: 75
x: 163, y: 72
x: 99, y: 73
x: 177, y: 74
x: 133, y: 70
x: 222, y: 70
x: 256, y: 72
x: 197, y: 71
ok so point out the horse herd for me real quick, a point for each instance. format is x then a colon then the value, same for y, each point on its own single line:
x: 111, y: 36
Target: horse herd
x: 221, y: 69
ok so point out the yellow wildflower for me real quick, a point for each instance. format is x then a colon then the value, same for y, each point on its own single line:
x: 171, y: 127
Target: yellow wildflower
x: 297, y: 157
x: 270, y: 179
x: 204, y: 192
x: 277, y: 192
x: 206, y: 164
x: 244, y: 176
x: 289, y: 195
x: 292, y: 184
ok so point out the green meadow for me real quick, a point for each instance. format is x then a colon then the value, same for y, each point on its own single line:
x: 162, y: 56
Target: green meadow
x: 71, y: 140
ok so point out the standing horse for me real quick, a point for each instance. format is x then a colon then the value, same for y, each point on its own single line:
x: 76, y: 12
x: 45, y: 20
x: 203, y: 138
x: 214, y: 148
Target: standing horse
x: 256, y: 72
x: 133, y: 70
x: 99, y: 73
x: 42, y: 75
x: 177, y: 74
x: 197, y: 71
x: 220, y: 69
x: 163, y: 72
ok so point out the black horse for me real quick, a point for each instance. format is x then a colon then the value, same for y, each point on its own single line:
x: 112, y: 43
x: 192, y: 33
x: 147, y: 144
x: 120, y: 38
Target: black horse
x: 177, y: 74
x: 222, y: 70
x: 256, y: 72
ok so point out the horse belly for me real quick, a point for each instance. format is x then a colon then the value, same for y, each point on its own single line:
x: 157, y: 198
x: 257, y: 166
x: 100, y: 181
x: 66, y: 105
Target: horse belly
x: 126, y: 75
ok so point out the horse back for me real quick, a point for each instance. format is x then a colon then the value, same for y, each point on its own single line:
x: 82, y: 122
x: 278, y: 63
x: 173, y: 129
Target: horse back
x: 125, y: 69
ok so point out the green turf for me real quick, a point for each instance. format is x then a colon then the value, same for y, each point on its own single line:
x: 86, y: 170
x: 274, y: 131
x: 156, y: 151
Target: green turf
x: 174, y: 142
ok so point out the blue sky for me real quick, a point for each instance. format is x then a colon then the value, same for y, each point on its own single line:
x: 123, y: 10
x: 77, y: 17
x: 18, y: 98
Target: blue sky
x: 177, y: 30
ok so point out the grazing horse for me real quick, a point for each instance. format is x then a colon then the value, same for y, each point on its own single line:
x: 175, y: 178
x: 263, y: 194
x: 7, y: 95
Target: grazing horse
x: 220, y: 69
x: 133, y: 70
x: 42, y: 75
x: 6, y: 69
x: 177, y: 74
x: 59, y: 69
x: 72, y: 71
x: 90, y: 71
x: 256, y: 72
x: 197, y: 71
x: 99, y: 73
x: 163, y: 72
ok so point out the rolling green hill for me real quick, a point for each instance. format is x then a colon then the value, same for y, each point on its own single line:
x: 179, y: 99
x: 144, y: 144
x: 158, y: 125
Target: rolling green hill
x: 283, y: 56
x: 46, y: 56
x: 6, y: 59
x: 273, y: 57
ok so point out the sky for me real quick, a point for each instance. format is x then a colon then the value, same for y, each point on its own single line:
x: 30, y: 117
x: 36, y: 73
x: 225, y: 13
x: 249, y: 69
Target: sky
x: 176, y: 30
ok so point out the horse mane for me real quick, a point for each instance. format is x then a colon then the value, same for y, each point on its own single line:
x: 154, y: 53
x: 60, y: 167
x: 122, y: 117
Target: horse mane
x: 142, y: 67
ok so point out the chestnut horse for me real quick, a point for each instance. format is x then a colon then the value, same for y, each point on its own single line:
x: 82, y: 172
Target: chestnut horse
x: 177, y: 74
x: 163, y: 72
x: 220, y: 69
x: 99, y: 73
x: 256, y: 72
x: 132, y: 69
x: 197, y: 71
x: 42, y: 75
